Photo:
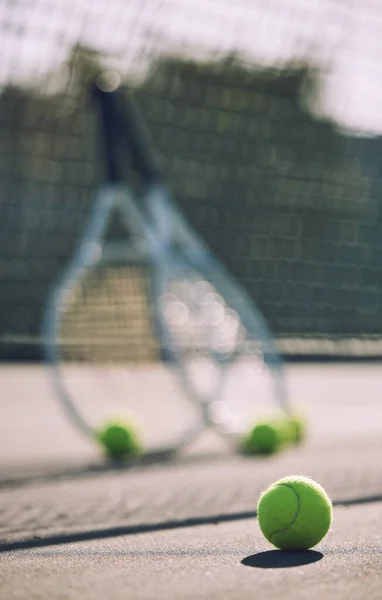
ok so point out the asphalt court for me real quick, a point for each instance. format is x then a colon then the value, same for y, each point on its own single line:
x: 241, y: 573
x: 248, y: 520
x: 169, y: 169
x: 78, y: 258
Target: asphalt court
x: 72, y: 527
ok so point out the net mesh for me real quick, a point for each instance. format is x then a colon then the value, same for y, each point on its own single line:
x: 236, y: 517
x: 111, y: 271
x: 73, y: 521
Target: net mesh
x: 267, y: 121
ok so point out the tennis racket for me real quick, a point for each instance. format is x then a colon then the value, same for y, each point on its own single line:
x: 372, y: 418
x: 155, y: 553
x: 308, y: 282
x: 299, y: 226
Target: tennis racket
x: 101, y: 332
x: 205, y: 326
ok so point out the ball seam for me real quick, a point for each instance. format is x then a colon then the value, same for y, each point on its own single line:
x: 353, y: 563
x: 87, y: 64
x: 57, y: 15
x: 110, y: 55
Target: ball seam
x: 296, y: 514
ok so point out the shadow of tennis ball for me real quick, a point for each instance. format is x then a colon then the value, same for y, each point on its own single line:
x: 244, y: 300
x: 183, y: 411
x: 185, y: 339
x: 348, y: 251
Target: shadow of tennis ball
x: 282, y: 559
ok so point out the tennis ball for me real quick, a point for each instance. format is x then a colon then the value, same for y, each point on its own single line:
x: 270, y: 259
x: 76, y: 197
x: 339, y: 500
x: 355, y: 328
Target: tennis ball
x: 297, y: 427
x: 295, y: 513
x: 265, y: 437
x: 120, y: 439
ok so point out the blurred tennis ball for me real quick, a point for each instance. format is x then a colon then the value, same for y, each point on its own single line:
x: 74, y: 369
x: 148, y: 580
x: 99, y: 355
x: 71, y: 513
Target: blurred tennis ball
x: 121, y: 439
x: 273, y: 433
x: 265, y: 437
x: 295, y: 427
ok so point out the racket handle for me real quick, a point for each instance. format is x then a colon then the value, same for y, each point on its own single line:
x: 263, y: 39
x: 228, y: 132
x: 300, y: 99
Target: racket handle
x: 122, y: 123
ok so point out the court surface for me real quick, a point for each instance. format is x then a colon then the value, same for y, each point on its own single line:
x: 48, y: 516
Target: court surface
x: 72, y: 527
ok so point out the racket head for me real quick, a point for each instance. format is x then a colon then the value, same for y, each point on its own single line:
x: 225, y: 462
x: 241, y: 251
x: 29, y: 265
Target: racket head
x: 227, y: 335
x: 101, y: 338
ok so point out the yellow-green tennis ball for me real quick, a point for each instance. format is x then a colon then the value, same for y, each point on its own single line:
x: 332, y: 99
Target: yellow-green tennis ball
x: 295, y: 513
x: 297, y: 426
x: 263, y: 438
x: 120, y: 439
x: 286, y: 429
